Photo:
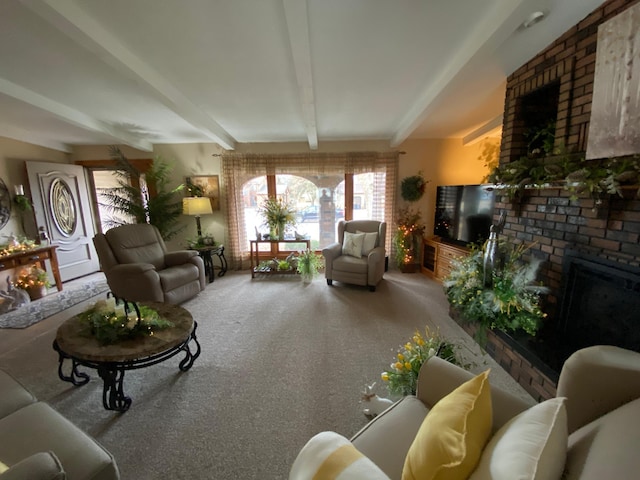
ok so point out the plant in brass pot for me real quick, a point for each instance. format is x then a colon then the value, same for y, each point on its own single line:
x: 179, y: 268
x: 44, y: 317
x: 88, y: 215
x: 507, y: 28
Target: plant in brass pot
x: 278, y: 214
x: 34, y: 280
x: 506, y: 299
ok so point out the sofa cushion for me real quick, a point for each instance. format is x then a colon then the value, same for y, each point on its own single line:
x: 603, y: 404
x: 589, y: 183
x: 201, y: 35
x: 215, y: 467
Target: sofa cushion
x: 346, y: 263
x: 387, y: 438
x: 352, y: 244
x: 329, y: 456
x: 38, y: 427
x: 451, y: 438
x: 532, y: 445
x: 39, y: 466
x: 369, y: 243
x: 14, y: 395
x: 607, y: 447
x: 177, y: 276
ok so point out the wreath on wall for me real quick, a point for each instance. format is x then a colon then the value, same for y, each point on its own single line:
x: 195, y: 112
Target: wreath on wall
x: 412, y: 188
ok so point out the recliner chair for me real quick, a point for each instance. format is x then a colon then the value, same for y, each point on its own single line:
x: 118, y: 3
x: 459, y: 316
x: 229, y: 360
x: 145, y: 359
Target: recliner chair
x: 138, y: 267
x: 359, y: 255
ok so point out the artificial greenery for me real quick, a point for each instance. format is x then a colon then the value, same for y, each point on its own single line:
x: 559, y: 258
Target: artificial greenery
x: 17, y: 245
x: 32, y: 277
x: 402, y: 376
x: 412, y: 187
x: 508, y: 301
x: 283, y: 265
x: 407, y: 237
x: 278, y: 214
x: 308, y: 263
x: 109, y: 327
x: 133, y: 201
x: 22, y: 203
x: 577, y: 175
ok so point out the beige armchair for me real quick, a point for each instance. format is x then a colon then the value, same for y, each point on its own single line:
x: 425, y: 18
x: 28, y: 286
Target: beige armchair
x: 138, y: 267
x: 359, y: 255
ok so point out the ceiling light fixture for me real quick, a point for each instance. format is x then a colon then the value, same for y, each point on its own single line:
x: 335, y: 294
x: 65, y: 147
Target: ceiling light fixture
x: 535, y: 17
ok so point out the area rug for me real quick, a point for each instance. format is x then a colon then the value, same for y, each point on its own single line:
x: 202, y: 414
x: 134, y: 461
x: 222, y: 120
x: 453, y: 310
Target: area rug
x: 72, y: 293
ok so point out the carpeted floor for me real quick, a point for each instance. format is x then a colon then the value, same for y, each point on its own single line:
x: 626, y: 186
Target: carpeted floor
x: 281, y: 361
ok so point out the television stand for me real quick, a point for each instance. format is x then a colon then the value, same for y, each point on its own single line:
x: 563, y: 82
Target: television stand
x: 437, y: 257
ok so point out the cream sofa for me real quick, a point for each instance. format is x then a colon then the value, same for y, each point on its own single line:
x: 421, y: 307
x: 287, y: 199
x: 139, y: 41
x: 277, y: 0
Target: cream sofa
x: 600, y: 417
x: 37, y: 443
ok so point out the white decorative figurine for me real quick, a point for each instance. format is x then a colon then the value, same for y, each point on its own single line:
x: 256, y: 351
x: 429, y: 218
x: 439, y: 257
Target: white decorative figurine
x: 375, y: 404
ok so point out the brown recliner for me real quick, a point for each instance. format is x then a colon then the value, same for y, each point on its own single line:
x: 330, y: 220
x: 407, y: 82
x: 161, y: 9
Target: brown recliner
x: 366, y: 270
x: 138, y: 267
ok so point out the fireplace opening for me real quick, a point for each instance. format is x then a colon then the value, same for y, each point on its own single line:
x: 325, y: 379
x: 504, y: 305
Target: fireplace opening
x: 600, y: 305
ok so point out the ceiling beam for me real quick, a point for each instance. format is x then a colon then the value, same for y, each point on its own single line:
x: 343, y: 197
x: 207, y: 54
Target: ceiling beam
x: 297, y: 17
x: 490, y: 128
x: 72, y: 116
x: 495, y: 28
x: 28, y: 136
x: 71, y: 20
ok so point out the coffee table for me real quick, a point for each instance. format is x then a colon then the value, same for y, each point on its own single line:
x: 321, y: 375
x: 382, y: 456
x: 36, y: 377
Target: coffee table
x: 111, y: 361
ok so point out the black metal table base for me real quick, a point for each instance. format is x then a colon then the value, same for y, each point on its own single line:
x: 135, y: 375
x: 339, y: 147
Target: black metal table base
x: 112, y: 373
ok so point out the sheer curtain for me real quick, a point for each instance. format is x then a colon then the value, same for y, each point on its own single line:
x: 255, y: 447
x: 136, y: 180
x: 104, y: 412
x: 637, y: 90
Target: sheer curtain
x: 238, y: 168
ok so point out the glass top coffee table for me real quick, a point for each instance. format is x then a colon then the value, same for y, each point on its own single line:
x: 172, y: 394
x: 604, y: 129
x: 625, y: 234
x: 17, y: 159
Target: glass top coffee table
x: 111, y: 361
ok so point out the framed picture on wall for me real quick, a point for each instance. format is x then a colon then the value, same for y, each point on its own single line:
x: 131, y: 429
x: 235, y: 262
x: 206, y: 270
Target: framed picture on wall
x: 204, y: 186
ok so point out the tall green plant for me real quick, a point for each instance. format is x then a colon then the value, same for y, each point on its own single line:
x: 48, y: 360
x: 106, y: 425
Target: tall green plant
x: 129, y: 203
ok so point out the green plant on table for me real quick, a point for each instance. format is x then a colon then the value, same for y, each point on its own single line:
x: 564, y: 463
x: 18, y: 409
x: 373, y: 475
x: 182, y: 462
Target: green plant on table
x: 283, y: 265
x: 402, y: 376
x: 278, y: 214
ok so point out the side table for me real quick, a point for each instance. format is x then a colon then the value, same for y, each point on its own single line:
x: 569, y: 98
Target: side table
x: 206, y: 253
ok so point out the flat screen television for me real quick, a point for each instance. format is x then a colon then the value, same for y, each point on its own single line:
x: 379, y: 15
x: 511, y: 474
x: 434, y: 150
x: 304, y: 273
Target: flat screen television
x: 464, y: 213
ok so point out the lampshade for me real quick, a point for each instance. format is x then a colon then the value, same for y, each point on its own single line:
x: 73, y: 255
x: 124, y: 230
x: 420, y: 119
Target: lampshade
x: 196, y: 206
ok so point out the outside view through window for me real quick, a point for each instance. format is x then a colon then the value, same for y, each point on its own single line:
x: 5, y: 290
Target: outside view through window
x: 318, y: 200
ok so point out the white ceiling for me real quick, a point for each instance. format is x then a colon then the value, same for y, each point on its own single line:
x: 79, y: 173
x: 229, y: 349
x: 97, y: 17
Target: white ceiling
x: 140, y: 72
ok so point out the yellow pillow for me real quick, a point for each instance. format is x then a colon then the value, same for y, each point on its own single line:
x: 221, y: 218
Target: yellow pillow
x: 451, y: 438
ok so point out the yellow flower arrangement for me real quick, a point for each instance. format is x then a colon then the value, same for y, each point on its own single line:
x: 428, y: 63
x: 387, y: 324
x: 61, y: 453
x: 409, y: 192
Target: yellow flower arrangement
x: 402, y: 376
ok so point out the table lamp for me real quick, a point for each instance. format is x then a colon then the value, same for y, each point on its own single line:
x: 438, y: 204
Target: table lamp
x: 196, y: 206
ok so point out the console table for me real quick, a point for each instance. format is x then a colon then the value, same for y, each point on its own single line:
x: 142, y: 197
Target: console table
x: 275, y: 250
x: 36, y: 255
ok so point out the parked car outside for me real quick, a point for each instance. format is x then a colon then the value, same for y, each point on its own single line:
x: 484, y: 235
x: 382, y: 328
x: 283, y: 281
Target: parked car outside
x: 312, y: 214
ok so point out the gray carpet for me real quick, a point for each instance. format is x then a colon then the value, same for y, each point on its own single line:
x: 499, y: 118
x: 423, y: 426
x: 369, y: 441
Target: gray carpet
x: 281, y: 360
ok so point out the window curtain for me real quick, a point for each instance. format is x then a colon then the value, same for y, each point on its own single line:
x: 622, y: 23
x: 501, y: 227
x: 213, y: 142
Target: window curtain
x: 238, y: 168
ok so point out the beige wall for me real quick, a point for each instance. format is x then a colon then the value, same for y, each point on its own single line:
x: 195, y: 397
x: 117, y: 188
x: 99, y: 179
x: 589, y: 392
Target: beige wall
x: 13, y: 155
x: 442, y: 161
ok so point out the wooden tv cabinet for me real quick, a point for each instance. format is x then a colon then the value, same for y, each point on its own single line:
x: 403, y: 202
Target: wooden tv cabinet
x: 437, y: 257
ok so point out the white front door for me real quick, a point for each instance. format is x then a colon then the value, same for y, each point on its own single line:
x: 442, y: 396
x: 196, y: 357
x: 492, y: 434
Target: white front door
x: 61, y: 206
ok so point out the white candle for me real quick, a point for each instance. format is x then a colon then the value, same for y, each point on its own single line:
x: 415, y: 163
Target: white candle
x: 19, y: 190
x: 111, y: 304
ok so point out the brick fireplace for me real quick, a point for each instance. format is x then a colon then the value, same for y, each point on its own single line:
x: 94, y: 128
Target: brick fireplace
x: 560, y: 80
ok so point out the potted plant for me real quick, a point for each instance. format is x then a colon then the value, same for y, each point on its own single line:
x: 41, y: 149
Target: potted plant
x: 35, y: 281
x: 278, y: 214
x: 506, y: 299
x: 402, y: 376
x: 308, y: 264
x: 407, y: 238
x: 133, y: 201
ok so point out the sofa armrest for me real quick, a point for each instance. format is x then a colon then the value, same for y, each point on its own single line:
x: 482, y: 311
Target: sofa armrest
x: 39, y: 466
x: 597, y: 380
x: 14, y: 395
x: 179, y: 257
x: 438, y: 378
x: 330, y: 253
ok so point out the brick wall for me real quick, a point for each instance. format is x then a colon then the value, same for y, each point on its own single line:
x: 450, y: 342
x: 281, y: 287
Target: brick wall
x: 608, y: 228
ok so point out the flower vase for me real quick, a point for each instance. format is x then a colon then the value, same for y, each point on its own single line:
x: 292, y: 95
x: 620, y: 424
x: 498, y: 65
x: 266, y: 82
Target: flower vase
x: 307, y: 277
x: 36, y: 292
x: 280, y: 231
